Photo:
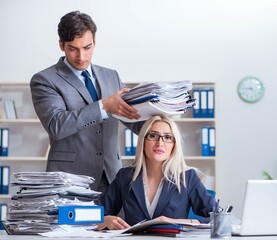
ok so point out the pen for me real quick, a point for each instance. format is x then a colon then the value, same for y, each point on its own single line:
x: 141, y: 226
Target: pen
x: 229, y: 209
x: 214, y: 205
x: 217, y: 205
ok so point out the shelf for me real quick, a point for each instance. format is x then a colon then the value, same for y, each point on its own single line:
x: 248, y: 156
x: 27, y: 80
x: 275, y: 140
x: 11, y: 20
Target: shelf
x: 23, y: 159
x: 5, y: 196
x: 193, y: 120
x: 186, y: 158
x: 20, y: 120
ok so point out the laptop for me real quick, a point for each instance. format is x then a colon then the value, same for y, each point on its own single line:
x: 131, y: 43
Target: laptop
x: 260, y: 209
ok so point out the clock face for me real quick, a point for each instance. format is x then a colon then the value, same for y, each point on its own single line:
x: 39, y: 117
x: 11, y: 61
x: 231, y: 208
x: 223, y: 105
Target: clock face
x: 250, y: 89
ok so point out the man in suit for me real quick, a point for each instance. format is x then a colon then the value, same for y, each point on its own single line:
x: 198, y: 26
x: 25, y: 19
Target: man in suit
x: 83, y: 133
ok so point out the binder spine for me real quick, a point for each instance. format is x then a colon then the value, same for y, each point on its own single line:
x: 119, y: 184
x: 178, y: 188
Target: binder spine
x: 5, y: 174
x: 3, y: 214
x: 196, y: 107
x: 134, y: 143
x: 4, y: 151
x: 205, y: 141
x: 211, y: 141
x: 128, y: 142
x: 203, y: 105
x: 80, y: 214
x: 211, y: 102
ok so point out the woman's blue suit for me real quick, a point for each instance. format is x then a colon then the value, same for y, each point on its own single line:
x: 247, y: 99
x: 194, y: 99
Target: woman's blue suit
x: 123, y: 192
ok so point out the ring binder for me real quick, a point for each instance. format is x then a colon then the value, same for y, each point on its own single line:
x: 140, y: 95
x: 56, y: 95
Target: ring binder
x: 80, y: 214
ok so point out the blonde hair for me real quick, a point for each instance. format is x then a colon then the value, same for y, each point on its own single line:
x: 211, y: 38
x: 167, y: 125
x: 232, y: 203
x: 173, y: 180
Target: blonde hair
x: 175, y: 166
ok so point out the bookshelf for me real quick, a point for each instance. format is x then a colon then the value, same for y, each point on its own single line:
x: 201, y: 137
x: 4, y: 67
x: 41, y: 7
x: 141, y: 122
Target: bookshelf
x: 190, y: 128
x: 28, y: 141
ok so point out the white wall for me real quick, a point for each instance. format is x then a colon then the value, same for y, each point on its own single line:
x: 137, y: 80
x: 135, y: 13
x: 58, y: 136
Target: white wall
x: 170, y: 40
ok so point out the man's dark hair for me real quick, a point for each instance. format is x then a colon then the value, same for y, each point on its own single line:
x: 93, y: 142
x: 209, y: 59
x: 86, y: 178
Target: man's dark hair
x: 75, y: 24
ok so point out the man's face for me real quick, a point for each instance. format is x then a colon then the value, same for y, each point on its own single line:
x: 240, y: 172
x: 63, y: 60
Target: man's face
x: 79, y: 51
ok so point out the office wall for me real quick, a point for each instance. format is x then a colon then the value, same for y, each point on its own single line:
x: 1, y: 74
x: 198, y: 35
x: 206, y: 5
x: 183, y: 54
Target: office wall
x: 170, y: 40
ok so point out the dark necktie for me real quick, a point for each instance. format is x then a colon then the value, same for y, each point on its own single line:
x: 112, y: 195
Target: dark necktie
x: 89, y: 85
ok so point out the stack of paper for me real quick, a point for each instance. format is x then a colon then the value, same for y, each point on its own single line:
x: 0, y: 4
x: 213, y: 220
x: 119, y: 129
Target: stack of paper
x: 35, y: 207
x: 163, y: 98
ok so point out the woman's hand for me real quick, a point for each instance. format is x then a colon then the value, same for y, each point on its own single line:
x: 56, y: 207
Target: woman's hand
x: 113, y: 223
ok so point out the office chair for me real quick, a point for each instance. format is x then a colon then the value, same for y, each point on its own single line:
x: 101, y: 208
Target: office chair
x: 192, y: 215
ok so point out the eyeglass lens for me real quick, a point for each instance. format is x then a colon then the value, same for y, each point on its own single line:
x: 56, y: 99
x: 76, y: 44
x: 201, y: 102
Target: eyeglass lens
x: 156, y: 137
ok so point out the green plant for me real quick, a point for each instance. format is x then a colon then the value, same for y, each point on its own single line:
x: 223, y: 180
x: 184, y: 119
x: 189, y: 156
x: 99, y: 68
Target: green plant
x: 267, y: 175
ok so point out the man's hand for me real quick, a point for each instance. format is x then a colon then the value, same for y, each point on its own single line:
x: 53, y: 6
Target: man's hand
x: 114, y: 104
x: 113, y: 223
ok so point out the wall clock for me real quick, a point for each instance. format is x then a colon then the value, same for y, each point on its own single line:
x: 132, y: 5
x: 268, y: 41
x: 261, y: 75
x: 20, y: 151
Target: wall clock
x: 251, y: 89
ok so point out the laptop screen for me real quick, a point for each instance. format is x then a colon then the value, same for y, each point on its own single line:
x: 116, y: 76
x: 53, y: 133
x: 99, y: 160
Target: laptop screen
x: 260, y: 208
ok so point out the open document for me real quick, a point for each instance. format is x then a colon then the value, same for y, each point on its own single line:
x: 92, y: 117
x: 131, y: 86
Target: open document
x: 164, y: 98
x: 145, y: 227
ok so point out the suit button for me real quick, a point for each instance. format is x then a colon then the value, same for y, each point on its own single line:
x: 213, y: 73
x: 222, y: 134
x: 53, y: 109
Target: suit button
x: 98, y: 132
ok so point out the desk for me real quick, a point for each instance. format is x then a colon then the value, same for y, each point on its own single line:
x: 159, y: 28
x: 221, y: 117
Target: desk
x: 4, y: 236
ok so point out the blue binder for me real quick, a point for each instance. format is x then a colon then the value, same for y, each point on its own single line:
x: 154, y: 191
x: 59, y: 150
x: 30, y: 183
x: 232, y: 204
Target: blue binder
x: 5, y: 175
x: 4, y: 151
x: 211, y: 141
x: 204, y: 103
x: 78, y: 214
x: 3, y: 214
x: 210, y: 103
x: 205, y: 141
x: 0, y: 180
x: 196, y: 107
x: 134, y: 143
x: 128, y: 142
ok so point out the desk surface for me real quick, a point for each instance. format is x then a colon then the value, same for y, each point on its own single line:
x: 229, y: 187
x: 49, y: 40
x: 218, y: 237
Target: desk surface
x: 4, y: 236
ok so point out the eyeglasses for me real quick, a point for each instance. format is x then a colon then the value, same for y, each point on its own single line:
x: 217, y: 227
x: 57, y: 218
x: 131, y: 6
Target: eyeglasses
x: 152, y: 136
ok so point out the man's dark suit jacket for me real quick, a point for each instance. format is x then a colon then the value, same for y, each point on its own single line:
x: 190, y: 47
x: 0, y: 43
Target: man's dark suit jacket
x: 81, y: 141
x: 130, y: 194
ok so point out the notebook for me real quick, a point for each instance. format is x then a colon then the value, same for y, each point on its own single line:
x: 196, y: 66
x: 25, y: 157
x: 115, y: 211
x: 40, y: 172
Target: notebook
x: 259, y: 210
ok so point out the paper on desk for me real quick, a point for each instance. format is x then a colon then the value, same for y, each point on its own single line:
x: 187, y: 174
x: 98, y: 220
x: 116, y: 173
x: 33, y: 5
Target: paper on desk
x: 67, y: 231
x: 191, y: 229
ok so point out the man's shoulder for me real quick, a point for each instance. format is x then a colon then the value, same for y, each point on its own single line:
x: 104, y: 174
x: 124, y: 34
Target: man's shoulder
x: 51, y: 69
x: 98, y: 67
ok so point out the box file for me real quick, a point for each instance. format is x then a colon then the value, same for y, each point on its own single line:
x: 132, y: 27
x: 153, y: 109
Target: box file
x: 1, y: 180
x: 80, y: 214
x: 203, y: 104
x: 3, y: 214
x: 5, y: 174
x: 210, y: 111
x: 4, y: 142
x: 211, y: 141
x: 134, y: 143
x: 205, y: 141
x: 128, y: 142
x: 196, y: 107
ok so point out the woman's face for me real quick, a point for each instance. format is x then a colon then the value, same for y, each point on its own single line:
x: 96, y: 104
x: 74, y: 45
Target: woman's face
x: 159, y: 142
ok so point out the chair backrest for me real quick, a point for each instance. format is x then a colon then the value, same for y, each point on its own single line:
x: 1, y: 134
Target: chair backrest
x: 192, y: 215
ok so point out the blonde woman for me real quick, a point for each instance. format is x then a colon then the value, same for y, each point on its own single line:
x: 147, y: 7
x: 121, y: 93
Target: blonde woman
x: 159, y: 184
